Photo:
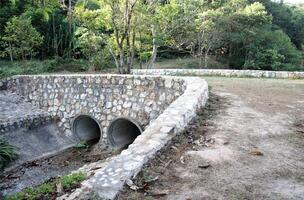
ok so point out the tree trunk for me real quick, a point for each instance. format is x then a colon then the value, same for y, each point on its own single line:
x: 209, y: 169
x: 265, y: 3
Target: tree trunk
x: 154, y: 51
x: 11, y: 52
x: 11, y: 57
x: 115, y: 59
x: 140, y: 49
x: 200, y: 49
x: 206, y: 60
x: 121, y: 61
x: 92, y: 68
x: 230, y: 50
x: 55, y: 45
x: 70, y: 28
x: 200, y: 64
x: 206, y: 57
x: 132, y: 50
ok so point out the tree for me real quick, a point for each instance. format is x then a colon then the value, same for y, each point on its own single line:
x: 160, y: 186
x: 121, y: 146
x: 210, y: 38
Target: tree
x: 199, y: 29
x: 288, y: 18
x: 21, y: 39
x: 89, y: 44
x: 242, y: 24
x: 122, y: 21
x: 272, y: 50
x: 156, y: 20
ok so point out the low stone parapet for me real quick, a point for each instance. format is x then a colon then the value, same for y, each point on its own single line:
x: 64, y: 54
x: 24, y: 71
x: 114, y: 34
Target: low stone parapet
x: 221, y: 72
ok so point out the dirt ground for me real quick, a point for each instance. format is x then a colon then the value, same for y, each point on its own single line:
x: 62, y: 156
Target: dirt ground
x: 248, y: 143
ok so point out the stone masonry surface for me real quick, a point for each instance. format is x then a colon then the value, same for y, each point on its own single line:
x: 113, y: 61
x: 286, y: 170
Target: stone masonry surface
x: 163, y: 106
x: 104, y: 97
x: 106, y: 182
x: 17, y: 113
x: 221, y: 72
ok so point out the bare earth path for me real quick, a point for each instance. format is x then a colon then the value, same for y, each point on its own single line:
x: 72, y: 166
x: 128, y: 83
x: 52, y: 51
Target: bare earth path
x: 254, y: 147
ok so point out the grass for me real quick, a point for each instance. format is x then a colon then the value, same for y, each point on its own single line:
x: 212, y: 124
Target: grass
x: 41, y: 67
x: 48, y: 189
x: 82, y: 145
x: 70, y: 180
x: 79, y: 65
x: 7, y: 153
x: 184, y: 63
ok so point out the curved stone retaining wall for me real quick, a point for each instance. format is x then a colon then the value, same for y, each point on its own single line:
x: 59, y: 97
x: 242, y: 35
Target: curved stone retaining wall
x: 221, y: 72
x: 104, y: 97
x: 110, y: 178
x: 162, y: 105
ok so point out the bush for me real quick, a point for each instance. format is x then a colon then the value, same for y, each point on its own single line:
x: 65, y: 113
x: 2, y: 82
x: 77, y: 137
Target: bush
x: 291, y: 67
x: 103, y: 60
x: 7, y: 153
x: 268, y: 59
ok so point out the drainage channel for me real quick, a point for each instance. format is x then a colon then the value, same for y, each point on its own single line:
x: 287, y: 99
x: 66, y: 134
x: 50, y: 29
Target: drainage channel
x: 121, y: 132
x: 86, y: 128
x: 40, y: 170
x: 36, y: 172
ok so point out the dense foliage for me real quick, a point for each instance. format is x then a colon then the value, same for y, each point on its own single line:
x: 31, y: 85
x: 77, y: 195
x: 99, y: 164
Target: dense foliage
x: 242, y: 34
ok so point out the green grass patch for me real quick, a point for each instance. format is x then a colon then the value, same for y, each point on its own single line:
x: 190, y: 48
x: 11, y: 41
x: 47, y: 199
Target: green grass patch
x: 82, y: 145
x: 48, y: 190
x: 29, y: 67
x: 8, y: 153
x: 70, y: 180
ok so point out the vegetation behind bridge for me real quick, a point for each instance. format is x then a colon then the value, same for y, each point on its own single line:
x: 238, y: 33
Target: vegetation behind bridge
x: 77, y: 35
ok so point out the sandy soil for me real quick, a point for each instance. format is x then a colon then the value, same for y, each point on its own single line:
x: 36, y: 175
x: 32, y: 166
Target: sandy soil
x: 247, y: 144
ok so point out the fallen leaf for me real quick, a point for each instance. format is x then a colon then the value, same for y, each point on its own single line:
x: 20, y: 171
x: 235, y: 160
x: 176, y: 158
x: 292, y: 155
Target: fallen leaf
x: 158, y: 193
x: 256, y: 152
x: 59, y: 188
x: 182, y: 159
x: 131, y: 185
x: 167, y: 164
x: 152, y: 180
x: 204, y: 166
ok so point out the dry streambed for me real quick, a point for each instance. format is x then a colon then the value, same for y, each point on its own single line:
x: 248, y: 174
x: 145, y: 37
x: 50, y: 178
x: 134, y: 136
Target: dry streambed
x: 37, y: 172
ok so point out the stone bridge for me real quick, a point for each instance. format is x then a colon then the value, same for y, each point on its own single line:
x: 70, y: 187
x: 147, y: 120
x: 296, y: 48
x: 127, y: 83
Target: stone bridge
x: 44, y: 114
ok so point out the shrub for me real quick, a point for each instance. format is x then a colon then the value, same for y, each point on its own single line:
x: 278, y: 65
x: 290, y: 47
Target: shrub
x: 7, y: 153
x: 268, y: 59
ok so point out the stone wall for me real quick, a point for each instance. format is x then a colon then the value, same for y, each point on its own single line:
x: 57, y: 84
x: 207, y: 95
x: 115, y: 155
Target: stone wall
x: 109, y: 178
x: 17, y: 113
x: 104, y: 97
x: 221, y: 72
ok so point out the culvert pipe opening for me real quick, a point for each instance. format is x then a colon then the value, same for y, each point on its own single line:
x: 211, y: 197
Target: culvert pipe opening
x: 86, y: 128
x: 122, y: 132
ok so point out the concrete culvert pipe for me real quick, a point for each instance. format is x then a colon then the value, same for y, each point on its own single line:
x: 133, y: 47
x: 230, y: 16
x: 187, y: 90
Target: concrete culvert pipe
x: 123, y: 131
x: 86, y: 128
